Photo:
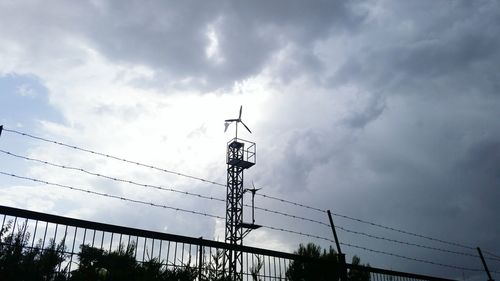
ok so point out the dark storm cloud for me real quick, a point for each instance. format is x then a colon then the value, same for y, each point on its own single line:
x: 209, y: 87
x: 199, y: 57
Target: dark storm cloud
x: 422, y: 152
x: 171, y: 37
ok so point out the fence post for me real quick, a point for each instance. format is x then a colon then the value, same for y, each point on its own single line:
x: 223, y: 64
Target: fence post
x: 484, y: 264
x: 343, y: 267
x: 200, y: 260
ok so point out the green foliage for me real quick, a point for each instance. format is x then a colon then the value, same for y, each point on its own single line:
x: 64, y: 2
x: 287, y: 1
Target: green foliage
x: 97, y: 264
x: 358, y: 275
x: 20, y: 262
x: 214, y: 270
x: 323, y: 265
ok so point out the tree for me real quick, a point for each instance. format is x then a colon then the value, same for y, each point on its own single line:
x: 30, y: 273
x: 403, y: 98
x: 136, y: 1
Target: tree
x: 358, y: 275
x: 20, y: 262
x: 319, y: 265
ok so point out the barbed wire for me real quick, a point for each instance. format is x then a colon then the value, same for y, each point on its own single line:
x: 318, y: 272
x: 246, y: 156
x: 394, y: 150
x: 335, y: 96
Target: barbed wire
x: 110, y: 195
x: 113, y: 157
x: 222, y: 200
x: 405, y: 243
x: 152, y: 186
x: 112, y: 178
x: 490, y: 253
x: 371, y: 250
x: 258, y: 194
x: 404, y: 231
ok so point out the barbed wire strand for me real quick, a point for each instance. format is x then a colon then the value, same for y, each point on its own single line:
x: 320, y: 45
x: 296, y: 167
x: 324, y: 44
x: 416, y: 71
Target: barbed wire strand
x: 111, y: 178
x: 219, y: 217
x: 371, y: 250
x: 113, y: 157
x: 110, y: 195
x: 407, y: 243
x: 258, y: 194
x: 222, y: 200
x: 490, y: 253
x: 152, y: 186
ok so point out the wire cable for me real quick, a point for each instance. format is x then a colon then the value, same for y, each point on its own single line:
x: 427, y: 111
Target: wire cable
x: 111, y: 178
x: 258, y: 194
x: 491, y: 254
x: 222, y: 200
x: 110, y: 195
x: 371, y: 250
x: 406, y: 243
x: 405, y: 232
x: 113, y: 157
x: 151, y: 186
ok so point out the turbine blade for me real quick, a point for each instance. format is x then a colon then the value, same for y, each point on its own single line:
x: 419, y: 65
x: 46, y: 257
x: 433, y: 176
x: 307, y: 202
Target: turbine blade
x: 246, y: 126
x: 241, y: 108
x: 231, y: 120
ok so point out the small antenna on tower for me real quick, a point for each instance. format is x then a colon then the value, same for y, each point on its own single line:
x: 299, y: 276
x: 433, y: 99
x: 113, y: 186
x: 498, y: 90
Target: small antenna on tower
x: 238, y: 120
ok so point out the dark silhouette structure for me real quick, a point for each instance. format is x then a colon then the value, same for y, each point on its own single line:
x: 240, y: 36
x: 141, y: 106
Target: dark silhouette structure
x: 240, y: 156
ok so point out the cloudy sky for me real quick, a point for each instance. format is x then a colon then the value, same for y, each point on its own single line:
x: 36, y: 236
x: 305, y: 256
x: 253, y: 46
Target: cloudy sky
x: 385, y: 111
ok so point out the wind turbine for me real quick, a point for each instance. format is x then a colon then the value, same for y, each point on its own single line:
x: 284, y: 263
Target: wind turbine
x: 253, y: 191
x: 229, y: 121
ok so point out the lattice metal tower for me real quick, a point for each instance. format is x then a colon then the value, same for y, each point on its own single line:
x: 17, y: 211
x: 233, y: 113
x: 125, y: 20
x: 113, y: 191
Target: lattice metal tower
x: 241, y: 155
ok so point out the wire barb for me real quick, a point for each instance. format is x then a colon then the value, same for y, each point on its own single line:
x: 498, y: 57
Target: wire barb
x: 258, y: 194
x: 111, y: 156
x: 371, y: 250
x: 109, y: 195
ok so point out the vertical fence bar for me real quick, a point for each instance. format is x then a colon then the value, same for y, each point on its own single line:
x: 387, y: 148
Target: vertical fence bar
x: 144, y: 249
x: 34, y: 234
x: 3, y: 221
x: 93, y: 238
x: 182, y: 255
x: 73, y: 251
x: 111, y: 242
x: 102, y: 239
x: 200, y: 259
x: 175, y: 254
x: 136, y: 246
x: 84, y: 235
x: 24, y: 230
x: 45, y: 235
x: 168, y: 252
x: 159, y: 252
x: 14, y: 226
x: 63, y: 242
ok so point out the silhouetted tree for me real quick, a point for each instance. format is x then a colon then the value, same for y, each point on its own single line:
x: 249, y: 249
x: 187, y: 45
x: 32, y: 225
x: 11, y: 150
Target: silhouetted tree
x: 322, y: 265
x: 358, y: 275
x: 20, y: 262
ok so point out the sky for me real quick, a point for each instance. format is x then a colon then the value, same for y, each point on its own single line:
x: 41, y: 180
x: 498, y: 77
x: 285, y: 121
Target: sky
x: 381, y: 110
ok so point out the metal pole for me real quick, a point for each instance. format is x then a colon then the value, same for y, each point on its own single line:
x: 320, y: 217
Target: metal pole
x: 343, y: 267
x: 334, y: 232
x: 484, y: 264
x: 200, y: 261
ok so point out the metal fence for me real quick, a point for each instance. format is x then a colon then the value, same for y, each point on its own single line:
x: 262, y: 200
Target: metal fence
x: 201, y: 256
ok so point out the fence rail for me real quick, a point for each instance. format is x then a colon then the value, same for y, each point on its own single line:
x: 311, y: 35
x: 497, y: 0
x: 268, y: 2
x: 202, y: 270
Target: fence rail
x: 171, y: 251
